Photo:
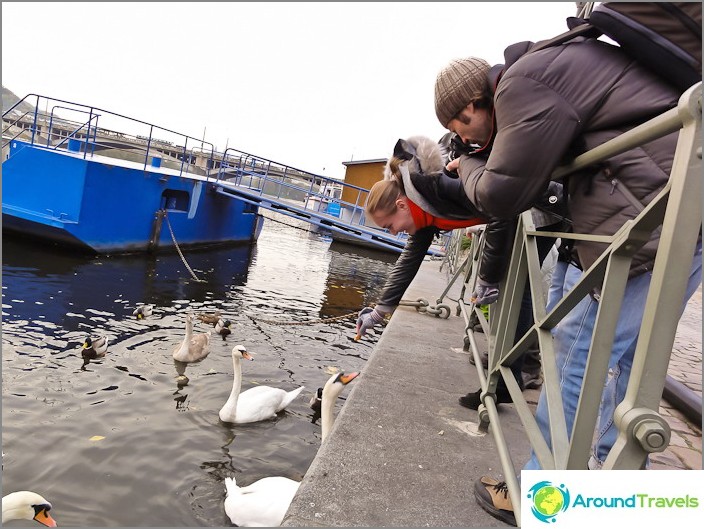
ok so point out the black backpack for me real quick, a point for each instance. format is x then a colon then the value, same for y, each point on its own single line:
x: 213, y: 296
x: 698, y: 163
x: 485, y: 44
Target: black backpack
x: 665, y: 37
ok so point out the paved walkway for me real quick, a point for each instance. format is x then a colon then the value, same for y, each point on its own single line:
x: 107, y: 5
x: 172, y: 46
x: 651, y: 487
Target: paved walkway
x: 403, y: 453
x: 685, y: 450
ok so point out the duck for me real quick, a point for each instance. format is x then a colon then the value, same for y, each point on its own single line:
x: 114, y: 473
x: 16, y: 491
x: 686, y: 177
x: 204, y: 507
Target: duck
x: 315, y: 404
x: 264, y: 503
x: 194, y: 347
x: 143, y: 311
x: 94, y: 347
x: 256, y: 404
x: 210, y: 317
x: 222, y: 327
x: 26, y: 505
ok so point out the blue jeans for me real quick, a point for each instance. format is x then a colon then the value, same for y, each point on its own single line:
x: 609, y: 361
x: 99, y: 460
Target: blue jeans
x: 572, y: 339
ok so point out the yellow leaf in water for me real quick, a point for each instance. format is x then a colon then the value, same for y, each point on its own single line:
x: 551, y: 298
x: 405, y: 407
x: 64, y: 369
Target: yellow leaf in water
x: 97, y: 438
x: 331, y: 370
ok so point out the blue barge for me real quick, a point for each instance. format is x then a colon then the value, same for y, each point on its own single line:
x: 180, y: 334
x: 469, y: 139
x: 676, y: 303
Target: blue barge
x: 81, y: 185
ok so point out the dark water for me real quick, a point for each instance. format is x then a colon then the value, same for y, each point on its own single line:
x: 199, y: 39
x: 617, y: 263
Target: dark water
x: 162, y: 453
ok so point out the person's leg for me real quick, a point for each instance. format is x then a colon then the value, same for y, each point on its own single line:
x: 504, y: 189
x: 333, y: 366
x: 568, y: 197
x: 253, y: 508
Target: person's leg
x: 572, y: 339
x: 623, y: 352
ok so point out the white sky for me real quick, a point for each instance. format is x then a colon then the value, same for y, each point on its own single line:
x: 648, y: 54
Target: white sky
x: 307, y: 84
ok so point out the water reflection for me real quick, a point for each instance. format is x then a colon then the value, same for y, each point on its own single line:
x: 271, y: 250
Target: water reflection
x: 124, y: 414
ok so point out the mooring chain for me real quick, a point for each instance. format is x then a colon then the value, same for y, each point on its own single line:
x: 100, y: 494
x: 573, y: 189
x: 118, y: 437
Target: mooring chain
x: 313, y: 322
x: 173, y: 238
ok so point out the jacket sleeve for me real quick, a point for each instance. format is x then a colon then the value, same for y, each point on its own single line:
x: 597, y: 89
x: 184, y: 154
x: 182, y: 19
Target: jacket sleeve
x: 535, y: 129
x: 498, y: 240
x: 406, y: 268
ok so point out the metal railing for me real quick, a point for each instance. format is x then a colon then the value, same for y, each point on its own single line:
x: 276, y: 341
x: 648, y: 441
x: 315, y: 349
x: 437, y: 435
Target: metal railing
x: 677, y: 211
x: 92, y: 131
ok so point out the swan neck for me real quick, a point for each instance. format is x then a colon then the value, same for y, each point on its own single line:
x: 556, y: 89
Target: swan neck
x: 326, y: 415
x: 236, y: 384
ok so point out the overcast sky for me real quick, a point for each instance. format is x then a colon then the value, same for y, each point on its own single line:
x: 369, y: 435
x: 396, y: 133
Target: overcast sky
x: 309, y: 84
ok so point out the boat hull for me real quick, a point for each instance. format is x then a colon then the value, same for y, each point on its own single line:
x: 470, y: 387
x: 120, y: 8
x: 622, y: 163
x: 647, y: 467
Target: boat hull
x: 108, y: 206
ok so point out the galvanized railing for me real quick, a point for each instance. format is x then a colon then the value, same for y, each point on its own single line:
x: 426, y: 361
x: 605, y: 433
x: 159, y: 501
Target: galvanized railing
x: 677, y: 209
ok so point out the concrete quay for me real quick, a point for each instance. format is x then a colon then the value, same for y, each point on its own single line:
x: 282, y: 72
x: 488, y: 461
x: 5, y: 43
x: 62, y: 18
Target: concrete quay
x: 403, y: 453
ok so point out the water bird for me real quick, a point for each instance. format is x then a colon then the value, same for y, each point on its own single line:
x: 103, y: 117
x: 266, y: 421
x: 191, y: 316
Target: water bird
x: 194, y: 347
x: 264, y: 503
x: 143, y: 311
x: 316, y: 404
x: 26, y: 505
x: 256, y: 404
x: 94, y: 347
x: 210, y: 317
x: 222, y: 327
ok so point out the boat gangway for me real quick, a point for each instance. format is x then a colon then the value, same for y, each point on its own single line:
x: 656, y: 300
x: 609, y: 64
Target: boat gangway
x: 327, y: 203
x: 330, y: 205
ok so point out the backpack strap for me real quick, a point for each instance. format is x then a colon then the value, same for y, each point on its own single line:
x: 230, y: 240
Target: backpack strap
x: 579, y: 28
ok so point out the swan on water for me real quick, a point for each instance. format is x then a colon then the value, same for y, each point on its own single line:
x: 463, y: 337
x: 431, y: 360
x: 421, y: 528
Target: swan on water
x: 194, y: 347
x: 256, y: 404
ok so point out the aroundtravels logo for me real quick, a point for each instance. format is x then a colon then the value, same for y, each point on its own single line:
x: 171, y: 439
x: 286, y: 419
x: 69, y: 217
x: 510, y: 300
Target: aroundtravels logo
x: 548, y: 500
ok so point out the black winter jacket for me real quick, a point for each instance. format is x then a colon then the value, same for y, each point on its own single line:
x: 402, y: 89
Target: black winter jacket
x: 557, y: 102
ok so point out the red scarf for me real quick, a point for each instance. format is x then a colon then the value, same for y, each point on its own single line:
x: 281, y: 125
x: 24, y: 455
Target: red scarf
x: 423, y: 219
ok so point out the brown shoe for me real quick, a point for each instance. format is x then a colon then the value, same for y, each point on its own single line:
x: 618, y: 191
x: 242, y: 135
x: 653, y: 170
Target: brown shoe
x: 493, y: 497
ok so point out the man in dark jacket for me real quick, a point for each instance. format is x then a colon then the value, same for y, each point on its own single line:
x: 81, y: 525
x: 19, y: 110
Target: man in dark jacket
x: 536, y: 112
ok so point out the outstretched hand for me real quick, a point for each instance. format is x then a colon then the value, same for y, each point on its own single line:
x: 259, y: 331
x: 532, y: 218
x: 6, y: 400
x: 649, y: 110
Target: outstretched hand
x: 367, y: 318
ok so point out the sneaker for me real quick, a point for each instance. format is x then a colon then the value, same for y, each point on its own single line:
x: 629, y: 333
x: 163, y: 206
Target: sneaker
x: 485, y: 359
x: 493, y: 497
x: 473, y: 400
x: 532, y: 380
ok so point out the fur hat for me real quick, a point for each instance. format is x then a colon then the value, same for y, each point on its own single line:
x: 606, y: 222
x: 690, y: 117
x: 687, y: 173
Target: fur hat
x: 422, y: 155
x: 457, y: 84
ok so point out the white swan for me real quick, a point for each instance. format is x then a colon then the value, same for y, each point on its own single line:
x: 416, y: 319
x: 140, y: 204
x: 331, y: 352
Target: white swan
x: 256, y: 404
x: 26, y: 505
x: 264, y: 503
x: 194, y: 347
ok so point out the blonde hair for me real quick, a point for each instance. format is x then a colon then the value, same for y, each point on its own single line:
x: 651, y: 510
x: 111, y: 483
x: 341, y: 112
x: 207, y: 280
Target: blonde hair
x: 382, y: 197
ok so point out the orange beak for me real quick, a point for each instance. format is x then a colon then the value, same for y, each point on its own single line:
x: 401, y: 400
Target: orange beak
x: 44, y: 518
x: 346, y: 379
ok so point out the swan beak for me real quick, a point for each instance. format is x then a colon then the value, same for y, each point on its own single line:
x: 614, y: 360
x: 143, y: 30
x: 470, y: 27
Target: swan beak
x: 247, y: 355
x: 346, y: 379
x: 44, y: 518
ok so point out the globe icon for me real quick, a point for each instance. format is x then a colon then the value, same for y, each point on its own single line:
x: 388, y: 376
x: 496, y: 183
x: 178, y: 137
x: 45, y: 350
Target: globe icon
x: 548, y: 500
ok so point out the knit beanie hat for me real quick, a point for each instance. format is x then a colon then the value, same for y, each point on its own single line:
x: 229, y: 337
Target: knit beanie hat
x: 457, y: 84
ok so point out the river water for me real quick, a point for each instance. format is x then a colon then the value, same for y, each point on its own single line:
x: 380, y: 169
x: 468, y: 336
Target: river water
x: 121, y: 443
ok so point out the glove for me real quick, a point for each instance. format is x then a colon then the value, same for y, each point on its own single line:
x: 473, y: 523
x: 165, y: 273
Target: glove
x: 485, y: 293
x: 368, y: 317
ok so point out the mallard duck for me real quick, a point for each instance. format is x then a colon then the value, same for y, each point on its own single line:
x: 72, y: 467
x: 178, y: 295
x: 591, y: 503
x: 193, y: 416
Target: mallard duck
x: 94, y: 347
x: 211, y: 318
x: 222, y: 327
x: 194, y: 347
x: 264, y: 503
x: 315, y: 404
x: 256, y: 404
x: 143, y: 311
x: 26, y: 505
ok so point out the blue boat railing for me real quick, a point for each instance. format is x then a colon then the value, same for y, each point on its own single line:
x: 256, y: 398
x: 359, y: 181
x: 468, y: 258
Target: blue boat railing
x: 95, y: 131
